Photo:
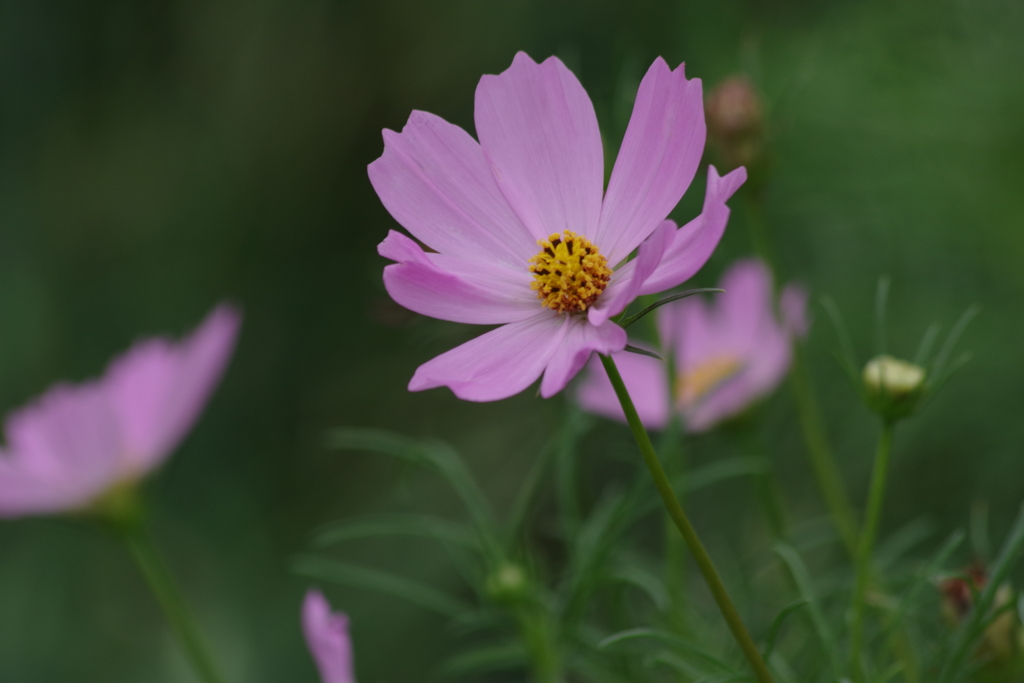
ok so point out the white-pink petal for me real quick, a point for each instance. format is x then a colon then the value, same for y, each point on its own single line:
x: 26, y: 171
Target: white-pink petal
x: 793, y: 308
x: 497, y: 364
x: 434, y: 180
x: 538, y: 129
x: 646, y: 381
x: 158, y: 388
x: 454, y: 288
x: 581, y: 341
x: 62, y: 451
x: 657, y: 160
x: 624, y: 289
x: 692, y: 245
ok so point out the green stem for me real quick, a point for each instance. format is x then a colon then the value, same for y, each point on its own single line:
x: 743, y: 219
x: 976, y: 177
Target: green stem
x: 159, y: 580
x: 535, y: 627
x: 867, y: 543
x: 824, y: 465
x: 675, y: 510
x: 822, y: 462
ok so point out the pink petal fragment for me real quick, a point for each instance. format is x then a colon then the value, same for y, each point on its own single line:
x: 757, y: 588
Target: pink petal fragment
x: 497, y: 364
x: 475, y: 292
x: 745, y: 307
x: 646, y: 381
x: 158, y: 387
x: 624, y: 289
x: 693, y: 244
x: 62, y: 452
x: 657, y: 160
x: 538, y: 129
x: 581, y: 341
x: 740, y: 326
x: 434, y: 180
x: 762, y: 373
x: 328, y: 640
x: 793, y: 307
x: 694, y: 333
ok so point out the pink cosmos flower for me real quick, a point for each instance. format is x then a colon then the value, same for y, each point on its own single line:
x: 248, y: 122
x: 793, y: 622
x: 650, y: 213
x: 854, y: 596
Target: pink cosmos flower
x: 728, y: 355
x: 327, y: 637
x: 521, y: 232
x: 74, y: 443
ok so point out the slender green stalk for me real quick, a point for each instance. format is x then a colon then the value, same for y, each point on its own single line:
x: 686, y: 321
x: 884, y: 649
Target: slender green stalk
x: 822, y: 462
x: 765, y: 485
x: 159, y: 580
x: 675, y: 510
x: 867, y: 542
x: 535, y: 626
x: 825, y: 469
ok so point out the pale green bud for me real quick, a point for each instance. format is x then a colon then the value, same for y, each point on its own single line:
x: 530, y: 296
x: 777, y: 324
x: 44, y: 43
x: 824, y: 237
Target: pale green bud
x: 508, y: 582
x: 893, y: 386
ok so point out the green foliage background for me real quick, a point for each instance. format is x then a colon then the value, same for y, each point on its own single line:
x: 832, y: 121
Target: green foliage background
x: 158, y: 157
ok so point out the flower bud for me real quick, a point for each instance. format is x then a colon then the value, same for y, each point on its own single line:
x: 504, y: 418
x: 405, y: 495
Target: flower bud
x: 893, y: 386
x: 735, y: 121
x: 509, y: 582
x: 999, y: 643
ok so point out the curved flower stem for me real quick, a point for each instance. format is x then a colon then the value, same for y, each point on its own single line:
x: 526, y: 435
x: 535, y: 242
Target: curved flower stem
x: 867, y: 542
x: 675, y: 511
x: 159, y: 580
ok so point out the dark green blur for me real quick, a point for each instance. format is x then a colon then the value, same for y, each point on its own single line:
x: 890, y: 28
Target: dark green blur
x: 158, y: 157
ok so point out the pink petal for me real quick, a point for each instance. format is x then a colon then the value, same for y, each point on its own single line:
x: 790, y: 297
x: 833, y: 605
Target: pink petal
x: 328, y: 640
x: 692, y: 244
x: 624, y: 289
x: 497, y: 364
x: 657, y: 160
x: 759, y: 377
x: 645, y: 379
x: 740, y: 325
x: 581, y: 341
x: 62, y: 452
x: 453, y: 288
x: 695, y: 336
x: 793, y: 307
x: 434, y: 180
x: 745, y: 307
x: 538, y: 129
x: 159, y: 387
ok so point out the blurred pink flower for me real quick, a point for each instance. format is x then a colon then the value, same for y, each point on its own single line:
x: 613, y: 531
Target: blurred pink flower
x: 327, y: 637
x: 727, y: 355
x: 521, y: 233
x: 76, y: 442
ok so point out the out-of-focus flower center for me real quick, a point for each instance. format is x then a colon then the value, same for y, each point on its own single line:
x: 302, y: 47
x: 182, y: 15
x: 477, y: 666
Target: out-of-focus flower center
x: 703, y: 379
x: 569, y: 273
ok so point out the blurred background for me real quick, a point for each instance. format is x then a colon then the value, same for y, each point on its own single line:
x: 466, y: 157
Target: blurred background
x: 159, y: 157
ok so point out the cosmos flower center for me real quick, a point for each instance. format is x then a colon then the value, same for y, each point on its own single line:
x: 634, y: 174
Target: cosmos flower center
x: 708, y: 375
x: 569, y: 273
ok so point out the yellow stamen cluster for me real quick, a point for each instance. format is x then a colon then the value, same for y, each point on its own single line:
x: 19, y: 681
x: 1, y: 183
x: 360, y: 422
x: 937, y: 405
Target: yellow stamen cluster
x: 694, y: 385
x: 569, y: 273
